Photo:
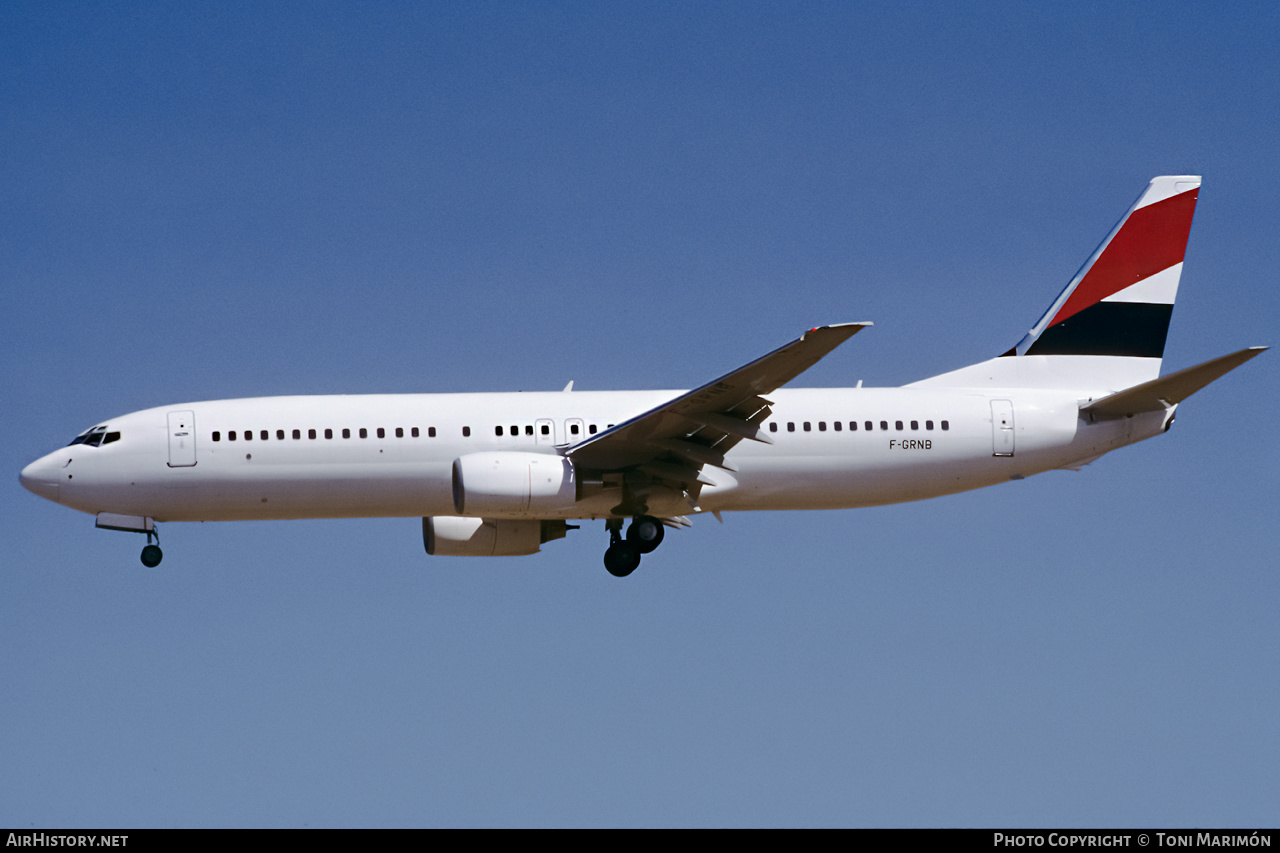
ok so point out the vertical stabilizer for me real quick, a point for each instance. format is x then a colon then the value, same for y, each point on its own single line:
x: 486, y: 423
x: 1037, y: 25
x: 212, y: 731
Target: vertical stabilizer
x: 1120, y: 301
x: 1107, y: 329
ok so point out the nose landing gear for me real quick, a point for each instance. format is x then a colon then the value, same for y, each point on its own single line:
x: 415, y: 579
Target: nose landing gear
x: 151, y: 554
x: 623, y: 555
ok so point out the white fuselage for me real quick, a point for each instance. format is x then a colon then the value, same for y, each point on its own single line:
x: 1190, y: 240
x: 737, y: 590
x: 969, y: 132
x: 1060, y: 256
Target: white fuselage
x: 240, y: 459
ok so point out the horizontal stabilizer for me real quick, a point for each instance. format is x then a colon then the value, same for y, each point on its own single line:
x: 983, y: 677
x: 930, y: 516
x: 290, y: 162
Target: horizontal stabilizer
x: 1159, y: 394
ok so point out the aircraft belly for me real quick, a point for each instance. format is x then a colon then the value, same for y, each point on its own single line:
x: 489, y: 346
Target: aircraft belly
x: 293, y: 491
x: 842, y: 484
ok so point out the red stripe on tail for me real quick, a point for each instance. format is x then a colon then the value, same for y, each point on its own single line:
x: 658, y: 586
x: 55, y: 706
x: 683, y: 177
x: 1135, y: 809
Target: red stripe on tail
x: 1152, y: 239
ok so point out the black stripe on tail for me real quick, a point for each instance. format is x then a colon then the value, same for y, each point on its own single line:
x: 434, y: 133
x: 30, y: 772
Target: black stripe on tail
x: 1136, y: 329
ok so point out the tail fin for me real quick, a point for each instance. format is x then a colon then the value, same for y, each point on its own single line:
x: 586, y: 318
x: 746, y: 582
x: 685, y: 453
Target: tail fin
x: 1120, y: 301
x: 1107, y: 329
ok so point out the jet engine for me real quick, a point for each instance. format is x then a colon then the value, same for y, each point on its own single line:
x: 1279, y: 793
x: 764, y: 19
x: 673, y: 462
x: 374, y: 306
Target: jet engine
x: 451, y: 536
x: 507, y: 484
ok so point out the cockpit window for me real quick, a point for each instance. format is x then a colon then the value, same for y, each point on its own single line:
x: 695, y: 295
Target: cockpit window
x: 96, y: 436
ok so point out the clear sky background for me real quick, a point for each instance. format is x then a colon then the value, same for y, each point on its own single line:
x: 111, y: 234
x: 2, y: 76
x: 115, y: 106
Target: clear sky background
x: 223, y: 200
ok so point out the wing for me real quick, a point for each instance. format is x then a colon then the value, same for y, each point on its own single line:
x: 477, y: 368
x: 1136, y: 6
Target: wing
x: 670, y: 444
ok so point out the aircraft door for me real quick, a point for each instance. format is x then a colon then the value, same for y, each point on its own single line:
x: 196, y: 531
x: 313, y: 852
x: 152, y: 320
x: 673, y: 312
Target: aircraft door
x: 574, y: 431
x: 182, y: 439
x: 545, y: 430
x: 1001, y: 428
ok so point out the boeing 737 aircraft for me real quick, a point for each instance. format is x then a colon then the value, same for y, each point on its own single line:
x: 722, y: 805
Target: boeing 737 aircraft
x: 502, y: 474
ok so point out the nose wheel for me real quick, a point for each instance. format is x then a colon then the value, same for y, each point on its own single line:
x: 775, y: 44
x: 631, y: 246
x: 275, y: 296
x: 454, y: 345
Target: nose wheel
x: 623, y: 555
x: 151, y: 554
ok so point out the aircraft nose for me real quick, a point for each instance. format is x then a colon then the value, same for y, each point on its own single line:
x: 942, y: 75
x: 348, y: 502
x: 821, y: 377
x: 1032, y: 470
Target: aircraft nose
x: 42, y: 477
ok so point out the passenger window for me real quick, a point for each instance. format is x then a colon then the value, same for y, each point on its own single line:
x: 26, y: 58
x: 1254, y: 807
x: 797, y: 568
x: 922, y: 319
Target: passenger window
x: 915, y: 425
x: 573, y: 429
x: 431, y: 432
x: 946, y: 425
x: 231, y: 435
x: 545, y: 429
x: 928, y: 424
x: 311, y: 433
x: 264, y: 435
x: 466, y: 432
x: 382, y: 433
x: 897, y: 425
x: 592, y: 429
x: 399, y: 432
x: 837, y: 426
x: 791, y: 426
x: 364, y: 432
x: 248, y: 435
x: 297, y: 434
x: 822, y: 426
x: 884, y: 425
x: 853, y: 426
x: 773, y: 426
x: 528, y: 429
x: 346, y: 433
x: 328, y: 433
x: 515, y: 430
x: 867, y: 426
x: 497, y: 430
x: 414, y: 432
x: 279, y: 435
x: 217, y: 436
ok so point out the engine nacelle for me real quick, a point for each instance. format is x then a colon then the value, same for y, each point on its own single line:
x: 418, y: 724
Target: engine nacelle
x: 508, y: 483
x: 451, y: 536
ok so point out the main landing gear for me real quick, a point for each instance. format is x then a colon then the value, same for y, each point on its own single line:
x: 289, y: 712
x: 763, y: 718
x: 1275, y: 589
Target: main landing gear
x: 623, y: 555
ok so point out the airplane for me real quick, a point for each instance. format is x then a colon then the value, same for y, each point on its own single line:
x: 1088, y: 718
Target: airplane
x: 501, y: 474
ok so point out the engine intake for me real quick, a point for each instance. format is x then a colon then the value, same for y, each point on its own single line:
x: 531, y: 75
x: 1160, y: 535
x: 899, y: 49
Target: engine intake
x: 513, y: 484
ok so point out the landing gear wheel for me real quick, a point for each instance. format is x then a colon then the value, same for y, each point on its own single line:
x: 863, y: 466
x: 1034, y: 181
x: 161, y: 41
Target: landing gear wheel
x: 645, y: 533
x: 621, y: 559
x: 151, y: 556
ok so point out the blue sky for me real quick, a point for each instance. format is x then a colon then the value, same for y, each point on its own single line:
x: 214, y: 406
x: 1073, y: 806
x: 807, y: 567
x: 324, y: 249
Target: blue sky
x: 226, y: 200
